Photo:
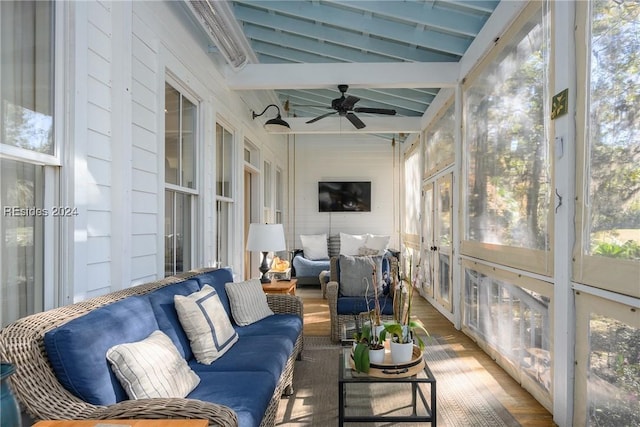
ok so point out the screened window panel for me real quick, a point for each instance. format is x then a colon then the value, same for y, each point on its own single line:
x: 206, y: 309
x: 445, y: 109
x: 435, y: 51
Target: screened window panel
x: 180, y: 172
x: 224, y: 161
x: 512, y: 317
x: 223, y: 232
x: 440, y: 143
x: 412, y: 187
x: 608, y: 212
x: 178, y: 226
x: 614, y: 369
x: 188, y: 144
x: 267, y: 185
x: 26, y: 88
x: 21, y: 245
x: 171, y: 135
x: 508, y: 166
x: 607, y: 362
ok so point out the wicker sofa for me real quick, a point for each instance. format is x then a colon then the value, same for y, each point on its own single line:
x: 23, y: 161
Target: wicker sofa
x: 235, y: 390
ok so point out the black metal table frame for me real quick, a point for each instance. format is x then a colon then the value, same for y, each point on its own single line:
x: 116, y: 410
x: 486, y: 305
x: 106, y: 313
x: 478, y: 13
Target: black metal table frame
x: 415, y: 390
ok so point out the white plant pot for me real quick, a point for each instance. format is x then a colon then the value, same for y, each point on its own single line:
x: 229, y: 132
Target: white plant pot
x: 401, y: 353
x: 376, y: 356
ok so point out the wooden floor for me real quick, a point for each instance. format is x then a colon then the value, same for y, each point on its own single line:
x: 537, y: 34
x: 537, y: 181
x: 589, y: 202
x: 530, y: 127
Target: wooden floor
x: 514, y: 398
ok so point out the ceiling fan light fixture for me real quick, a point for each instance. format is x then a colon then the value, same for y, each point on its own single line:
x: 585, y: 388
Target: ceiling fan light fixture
x: 276, y: 124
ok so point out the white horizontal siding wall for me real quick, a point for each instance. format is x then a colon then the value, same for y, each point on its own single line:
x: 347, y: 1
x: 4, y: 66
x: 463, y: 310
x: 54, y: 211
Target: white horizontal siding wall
x: 96, y: 177
x: 122, y: 52
x: 345, y: 158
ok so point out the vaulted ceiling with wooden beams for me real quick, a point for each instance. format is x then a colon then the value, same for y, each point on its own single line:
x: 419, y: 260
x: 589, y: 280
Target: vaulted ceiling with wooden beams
x: 393, y: 55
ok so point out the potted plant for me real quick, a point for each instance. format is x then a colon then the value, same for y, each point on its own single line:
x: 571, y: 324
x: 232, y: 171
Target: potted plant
x: 367, y: 350
x: 403, y: 329
x: 369, y: 346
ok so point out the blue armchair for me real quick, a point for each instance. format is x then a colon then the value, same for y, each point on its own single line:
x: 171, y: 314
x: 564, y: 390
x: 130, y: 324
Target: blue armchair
x: 345, y: 306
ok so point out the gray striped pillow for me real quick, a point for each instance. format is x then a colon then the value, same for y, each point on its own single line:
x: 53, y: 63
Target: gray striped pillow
x: 248, y: 301
x: 152, y: 368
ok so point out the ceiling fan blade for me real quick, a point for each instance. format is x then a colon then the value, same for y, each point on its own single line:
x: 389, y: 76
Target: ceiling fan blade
x: 355, y: 120
x: 386, y: 111
x: 349, y: 102
x: 321, y: 117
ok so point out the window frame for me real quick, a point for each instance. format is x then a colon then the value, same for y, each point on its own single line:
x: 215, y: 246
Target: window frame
x: 532, y: 260
x: 192, y: 193
x: 606, y: 273
x: 226, y: 200
x: 55, y: 234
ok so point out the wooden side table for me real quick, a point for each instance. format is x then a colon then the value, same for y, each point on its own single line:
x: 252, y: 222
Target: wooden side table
x: 280, y: 287
x: 131, y: 423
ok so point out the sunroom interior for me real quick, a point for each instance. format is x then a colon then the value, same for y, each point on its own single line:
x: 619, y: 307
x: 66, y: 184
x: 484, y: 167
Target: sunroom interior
x: 509, y: 172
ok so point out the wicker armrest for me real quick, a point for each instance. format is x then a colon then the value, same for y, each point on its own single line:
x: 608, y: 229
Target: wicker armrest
x: 286, y: 304
x: 218, y: 415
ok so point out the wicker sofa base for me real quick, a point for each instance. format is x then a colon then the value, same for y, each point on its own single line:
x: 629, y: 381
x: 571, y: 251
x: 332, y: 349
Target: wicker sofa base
x: 36, y: 387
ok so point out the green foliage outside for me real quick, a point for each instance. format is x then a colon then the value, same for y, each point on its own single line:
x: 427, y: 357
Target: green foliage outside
x: 614, y: 129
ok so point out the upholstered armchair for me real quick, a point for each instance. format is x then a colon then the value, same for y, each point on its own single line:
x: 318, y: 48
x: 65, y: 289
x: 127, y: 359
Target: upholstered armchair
x: 345, y: 304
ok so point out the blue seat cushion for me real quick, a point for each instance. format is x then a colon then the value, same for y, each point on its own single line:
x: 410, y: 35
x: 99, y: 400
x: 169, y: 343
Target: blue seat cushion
x: 248, y: 393
x: 77, y: 350
x: 309, y: 268
x: 217, y: 279
x: 289, y: 325
x: 259, y: 353
x: 167, y: 316
x: 357, y: 305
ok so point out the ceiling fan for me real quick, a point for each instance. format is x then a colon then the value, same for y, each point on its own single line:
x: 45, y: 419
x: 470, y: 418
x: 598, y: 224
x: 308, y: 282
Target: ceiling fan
x: 344, y: 106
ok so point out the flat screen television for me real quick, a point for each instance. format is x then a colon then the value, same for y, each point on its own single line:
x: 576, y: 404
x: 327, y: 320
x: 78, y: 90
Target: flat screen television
x: 344, y: 196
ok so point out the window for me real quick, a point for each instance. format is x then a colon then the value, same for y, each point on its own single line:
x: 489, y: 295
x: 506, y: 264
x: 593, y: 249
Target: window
x: 607, y: 362
x: 511, y: 314
x: 440, y: 142
x: 412, y: 188
x: 224, y: 195
x: 267, y: 193
x: 507, y: 161
x: 608, y: 209
x: 180, y: 180
x: 279, y: 197
x: 26, y: 105
x: 28, y: 157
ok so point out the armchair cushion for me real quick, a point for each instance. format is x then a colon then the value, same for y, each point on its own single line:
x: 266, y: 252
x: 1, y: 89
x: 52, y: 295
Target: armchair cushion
x: 356, y: 275
x: 357, y: 305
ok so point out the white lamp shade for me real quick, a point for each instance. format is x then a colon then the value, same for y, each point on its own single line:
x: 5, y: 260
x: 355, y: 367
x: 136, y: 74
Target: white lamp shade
x: 266, y: 238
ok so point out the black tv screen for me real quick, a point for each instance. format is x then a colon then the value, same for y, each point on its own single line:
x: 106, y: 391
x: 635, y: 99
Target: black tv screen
x: 344, y: 196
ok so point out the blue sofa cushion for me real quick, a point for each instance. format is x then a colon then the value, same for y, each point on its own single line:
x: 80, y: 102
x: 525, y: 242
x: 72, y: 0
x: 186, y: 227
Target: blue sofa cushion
x: 259, y: 353
x: 289, y: 325
x: 356, y: 305
x: 167, y: 316
x: 248, y: 393
x: 217, y: 279
x: 309, y: 268
x: 77, y: 350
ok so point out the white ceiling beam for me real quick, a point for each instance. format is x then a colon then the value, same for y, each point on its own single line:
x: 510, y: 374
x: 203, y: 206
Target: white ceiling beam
x: 341, y: 125
x: 356, y: 75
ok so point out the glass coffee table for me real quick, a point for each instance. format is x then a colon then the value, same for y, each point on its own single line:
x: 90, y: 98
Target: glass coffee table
x: 422, y: 385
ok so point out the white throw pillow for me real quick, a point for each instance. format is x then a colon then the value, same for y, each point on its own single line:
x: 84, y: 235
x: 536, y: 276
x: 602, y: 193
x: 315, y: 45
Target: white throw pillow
x: 379, y: 243
x: 350, y: 244
x: 152, y: 368
x: 248, y: 301
x: 206, y: 323
x: 314, y: 246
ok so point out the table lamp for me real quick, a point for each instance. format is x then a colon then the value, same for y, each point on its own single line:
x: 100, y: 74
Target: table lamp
x: 265, y: 238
